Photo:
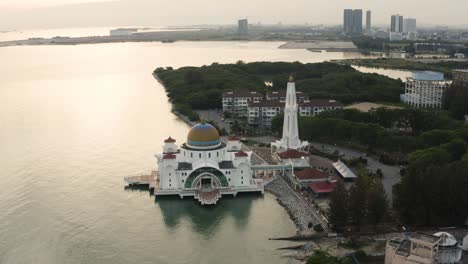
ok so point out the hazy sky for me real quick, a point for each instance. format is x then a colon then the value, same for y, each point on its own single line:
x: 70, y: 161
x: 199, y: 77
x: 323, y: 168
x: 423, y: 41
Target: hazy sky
x: 26, y: 14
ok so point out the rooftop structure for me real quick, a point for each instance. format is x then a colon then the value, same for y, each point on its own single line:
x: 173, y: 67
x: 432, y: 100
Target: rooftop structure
x: 423, y: 249
x: 344, y: 171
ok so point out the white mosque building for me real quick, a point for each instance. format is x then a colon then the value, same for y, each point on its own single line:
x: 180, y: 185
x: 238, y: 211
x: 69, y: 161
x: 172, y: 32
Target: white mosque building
x: 205, y: 167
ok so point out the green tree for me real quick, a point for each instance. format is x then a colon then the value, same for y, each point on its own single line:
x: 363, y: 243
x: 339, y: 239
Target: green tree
x: 277, y: 124
x: 338, y: 215
x: 358, y: 200
x: 322, y: 257
x: 236, y: 128
x: 193, y: 77
x: 377, y: 203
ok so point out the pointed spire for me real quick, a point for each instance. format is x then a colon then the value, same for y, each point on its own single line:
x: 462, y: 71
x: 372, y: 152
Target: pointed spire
x: 291, y: 78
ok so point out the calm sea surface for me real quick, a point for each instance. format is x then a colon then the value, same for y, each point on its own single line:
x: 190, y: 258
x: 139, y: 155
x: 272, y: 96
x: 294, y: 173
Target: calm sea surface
x: 74, y: 120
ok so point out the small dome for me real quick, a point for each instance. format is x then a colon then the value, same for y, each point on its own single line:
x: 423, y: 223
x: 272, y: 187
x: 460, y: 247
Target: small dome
x: 203, y: 136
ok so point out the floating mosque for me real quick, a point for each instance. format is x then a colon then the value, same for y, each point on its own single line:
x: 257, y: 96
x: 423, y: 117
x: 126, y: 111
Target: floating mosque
x: 206, y: 167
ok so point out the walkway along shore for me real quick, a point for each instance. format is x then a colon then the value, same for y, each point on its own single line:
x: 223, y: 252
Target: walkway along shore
x: 296, y: 209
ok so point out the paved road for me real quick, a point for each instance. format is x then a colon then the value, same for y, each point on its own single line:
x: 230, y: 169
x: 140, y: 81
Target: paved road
x: 391, y: 173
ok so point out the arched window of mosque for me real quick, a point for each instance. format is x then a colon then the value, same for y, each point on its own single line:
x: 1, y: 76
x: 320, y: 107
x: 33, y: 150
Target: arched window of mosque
x: 242, y: 178
x: 170, y: 185
x: 191, y: 155
x: 169, y: 174
x: 242, y: 172
x: 182, y: 181
x: 170, y: 180
x: 209, y: 155
x: 217, y: 154
x: 199, y: 155
x: 229, y: 179
x: 241, y: 182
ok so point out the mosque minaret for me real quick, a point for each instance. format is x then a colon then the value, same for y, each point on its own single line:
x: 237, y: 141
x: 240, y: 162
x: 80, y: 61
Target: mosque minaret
x: 290, y: 139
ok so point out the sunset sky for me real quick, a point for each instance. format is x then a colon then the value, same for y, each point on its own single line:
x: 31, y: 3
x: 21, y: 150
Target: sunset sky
x: 70, y: 13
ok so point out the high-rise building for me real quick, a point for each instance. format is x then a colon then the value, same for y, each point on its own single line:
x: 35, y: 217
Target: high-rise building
x: 396, y: 28
x: 357, y: 21
x: 243, y: 27
x: 348, y: 21
x: 409, y: 25
x: 352, y: 21
x: 397, y: 23
x: 368, y: 20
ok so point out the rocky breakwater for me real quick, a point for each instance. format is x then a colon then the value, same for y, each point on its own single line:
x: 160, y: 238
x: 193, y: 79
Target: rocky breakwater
x: 296, y: 208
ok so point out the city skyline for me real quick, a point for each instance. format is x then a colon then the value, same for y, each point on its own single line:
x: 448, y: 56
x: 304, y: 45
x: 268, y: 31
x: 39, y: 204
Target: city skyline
x: 69, y: 13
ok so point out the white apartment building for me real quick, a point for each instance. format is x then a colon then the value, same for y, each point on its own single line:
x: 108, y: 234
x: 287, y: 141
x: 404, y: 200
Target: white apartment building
x: 425, y: 89
x: 236, y: 103
x: 316, y: 106
x: 261, y: 113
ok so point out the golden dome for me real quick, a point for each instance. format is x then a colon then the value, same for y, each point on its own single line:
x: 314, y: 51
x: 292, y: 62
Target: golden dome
x: 203, y: 135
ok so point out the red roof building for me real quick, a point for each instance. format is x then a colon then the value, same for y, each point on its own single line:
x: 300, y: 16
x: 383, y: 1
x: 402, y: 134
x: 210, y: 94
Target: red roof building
x: 292, y: 154
x: 234, y: 138
x: 169, y: 156
x: 241, y: 154
x: 311, y: 174
x: 322, y: 187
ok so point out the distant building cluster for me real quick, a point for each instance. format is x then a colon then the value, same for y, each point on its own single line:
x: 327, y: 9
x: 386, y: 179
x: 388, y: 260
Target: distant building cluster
x: 260, y: 110
x: 401, y: 28
x: 352, y: 21
x: 123, y: 32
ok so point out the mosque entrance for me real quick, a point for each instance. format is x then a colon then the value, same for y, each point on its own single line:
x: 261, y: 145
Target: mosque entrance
x: 206, y: 184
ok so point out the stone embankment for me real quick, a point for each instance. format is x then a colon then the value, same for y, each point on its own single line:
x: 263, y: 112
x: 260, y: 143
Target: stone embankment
x: 298, y: 213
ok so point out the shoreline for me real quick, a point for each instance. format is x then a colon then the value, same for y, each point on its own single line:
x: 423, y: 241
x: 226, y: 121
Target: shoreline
x: 299, y: 215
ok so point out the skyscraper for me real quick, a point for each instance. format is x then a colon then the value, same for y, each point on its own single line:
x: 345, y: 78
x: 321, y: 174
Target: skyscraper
x: 352, y: 21
x: 410, y: 25
x: 397, y: 23
x: 348, y: 21
x: 368, y: 20
x: 396, y: 28
x: 243, y: 27
x: 357, y: 21
x: 410, y: 29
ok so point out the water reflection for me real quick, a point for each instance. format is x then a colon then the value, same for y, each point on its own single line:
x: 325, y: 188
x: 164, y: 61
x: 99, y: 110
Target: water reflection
x: 206, y: 219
